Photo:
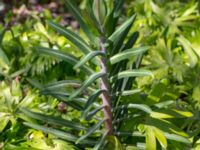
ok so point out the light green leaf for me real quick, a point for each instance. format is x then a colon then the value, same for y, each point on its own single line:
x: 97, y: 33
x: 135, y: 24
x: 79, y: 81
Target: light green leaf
x: 114, y: 143
x: 4, y: 58
x: 132, y: 73
x: 127, y: 92
x: 40, y: 27
x: 88, y: 57
x: 160, y: 115
x: 142, y: 107
x: 60, y: 84
x: 150, y: 139
x: 72, y: 36
x: 87, y: 83
x: 127, y: 54
x: 160, y: 137
x: 184, y: 113
x: 177, y: 138
x: 90, y: 131
x: 4, y: 119
x: 189, y: 51
x: 64, y: 56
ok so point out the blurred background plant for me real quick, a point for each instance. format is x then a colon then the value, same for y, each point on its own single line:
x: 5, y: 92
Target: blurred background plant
x: 169, y: 27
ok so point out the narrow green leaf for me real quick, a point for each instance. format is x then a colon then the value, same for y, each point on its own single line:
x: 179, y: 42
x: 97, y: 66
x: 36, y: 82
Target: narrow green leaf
x: 4, y: 57
x: 163, y: 114
x: 90, y: 131
x: 127, y: 54
x: 73, y: 104
x: 119, y: 35
x: 35, y: 83
x: 72, y: 36
x: 64, y: 56
x: 76, y: 13
x: 13, y: 147
x: 101, y: 142
x: 165, y: 126
x: 88, y: 57
x: 87, y: 83
x: 93, y: 98
x: 133, y: 38
x: 128, y: 92
x: 20, y: 71
x: 90, y: 102
x: 164, y: 104
x: 160, y: 137
x: 53, y: 93
x: 177, y: 138
x: 150, y: 139
x: 59, y: 133
x: 53, y: 120
x: 92, y: 113
x: 142, y: 107
x: 2, y: 33
x: 136, y: 133
x: 189, y: 51
x: 132, y: 73
x: 60, y: 84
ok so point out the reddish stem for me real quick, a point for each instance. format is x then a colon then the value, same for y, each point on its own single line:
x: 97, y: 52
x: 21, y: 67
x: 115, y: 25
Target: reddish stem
x: 106, y: 96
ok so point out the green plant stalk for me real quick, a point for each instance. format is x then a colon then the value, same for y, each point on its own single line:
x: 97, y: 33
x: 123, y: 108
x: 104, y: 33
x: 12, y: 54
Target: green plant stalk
x: 106, y: 95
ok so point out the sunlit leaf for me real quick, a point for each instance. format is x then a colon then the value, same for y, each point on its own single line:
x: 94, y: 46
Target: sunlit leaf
x: 150, y: 139
x: 127, y: 54
x: 160, y: 137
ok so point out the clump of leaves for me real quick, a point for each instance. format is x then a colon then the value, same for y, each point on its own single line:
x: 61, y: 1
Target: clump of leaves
x: 110, y: 61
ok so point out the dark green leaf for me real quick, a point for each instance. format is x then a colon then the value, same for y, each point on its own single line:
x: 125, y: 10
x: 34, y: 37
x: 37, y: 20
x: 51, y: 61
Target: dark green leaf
x: 90, y: 131
x: 101, y: 142
x: 88, y: 57
x: 76, y: 13
x: 119, y: 35
x: 53, y: 120
x: 87, y: 83
x: 64, y: 56
x: 59, y: 133
x: 92, y: 113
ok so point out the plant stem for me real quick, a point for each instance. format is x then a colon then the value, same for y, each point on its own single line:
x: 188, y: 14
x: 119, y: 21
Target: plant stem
x: 106, y: 95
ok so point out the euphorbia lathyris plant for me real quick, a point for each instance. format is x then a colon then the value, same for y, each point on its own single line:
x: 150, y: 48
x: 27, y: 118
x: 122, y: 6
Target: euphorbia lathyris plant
x: 110, y: 62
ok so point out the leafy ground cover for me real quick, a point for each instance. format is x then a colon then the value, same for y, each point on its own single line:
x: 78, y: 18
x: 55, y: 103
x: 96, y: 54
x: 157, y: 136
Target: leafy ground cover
x: 34, y: 89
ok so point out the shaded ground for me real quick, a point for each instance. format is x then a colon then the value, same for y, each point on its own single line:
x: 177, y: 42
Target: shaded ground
x: 16, y: 11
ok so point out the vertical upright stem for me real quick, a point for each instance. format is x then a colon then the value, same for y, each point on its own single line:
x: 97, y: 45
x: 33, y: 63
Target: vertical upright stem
x: 106, y: 95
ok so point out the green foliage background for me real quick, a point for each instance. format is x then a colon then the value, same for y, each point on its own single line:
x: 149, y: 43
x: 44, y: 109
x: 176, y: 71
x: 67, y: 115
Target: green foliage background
x: 169, y: 28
